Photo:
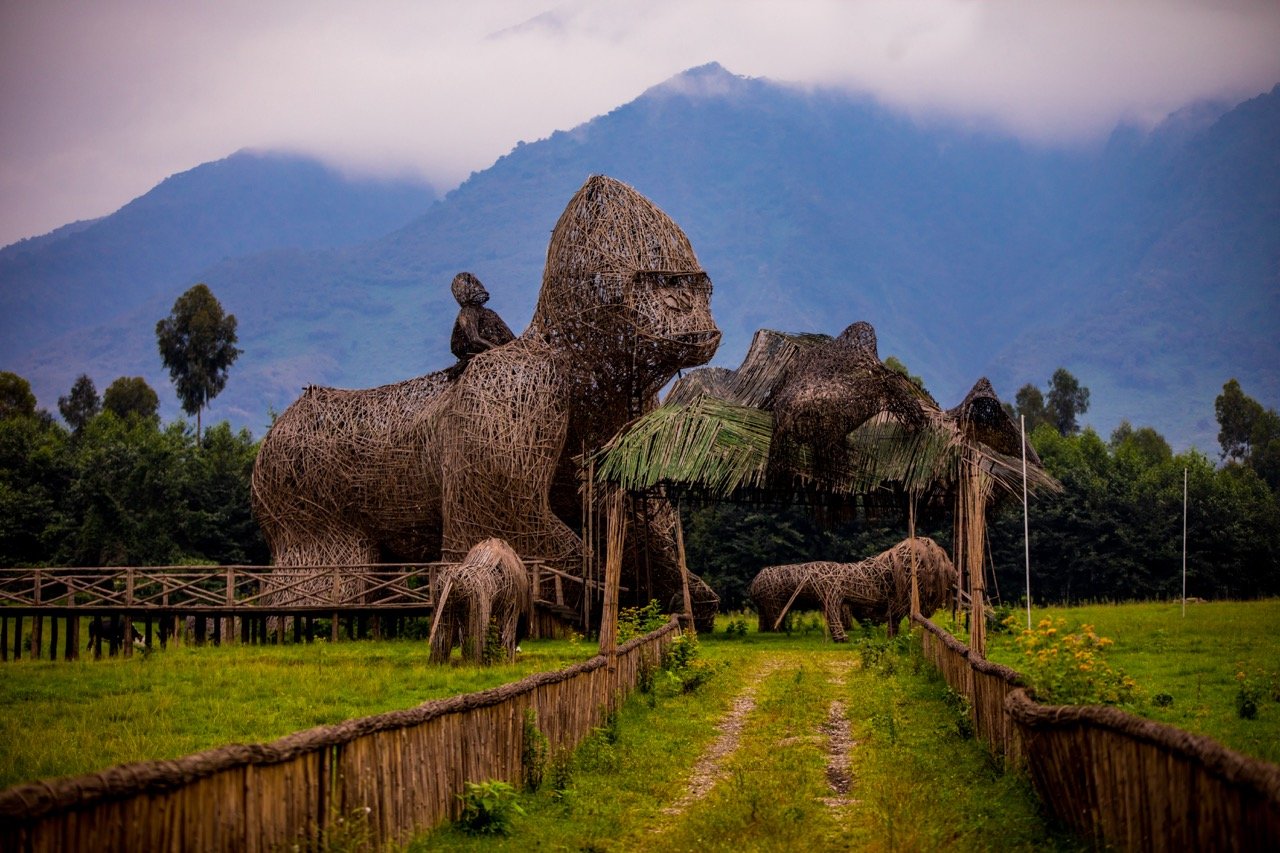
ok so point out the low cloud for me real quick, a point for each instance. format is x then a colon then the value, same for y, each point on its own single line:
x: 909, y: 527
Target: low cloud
x: 101, y: 101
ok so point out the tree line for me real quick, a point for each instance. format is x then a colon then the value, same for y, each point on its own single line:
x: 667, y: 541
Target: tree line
x: 114, y: 486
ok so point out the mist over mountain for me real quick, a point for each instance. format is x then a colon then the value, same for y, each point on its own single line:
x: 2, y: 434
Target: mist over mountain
x: 1149, y: 266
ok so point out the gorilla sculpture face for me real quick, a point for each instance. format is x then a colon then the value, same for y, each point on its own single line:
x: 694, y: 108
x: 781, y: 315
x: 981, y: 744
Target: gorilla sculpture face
x: 621, y: 277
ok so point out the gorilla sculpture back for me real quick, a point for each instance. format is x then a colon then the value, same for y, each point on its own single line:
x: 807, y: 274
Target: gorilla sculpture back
x: 426, y: 468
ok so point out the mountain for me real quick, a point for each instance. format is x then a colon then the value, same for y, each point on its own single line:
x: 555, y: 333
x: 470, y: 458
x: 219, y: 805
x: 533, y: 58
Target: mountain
x: 1148, y: 266
x: 94, y: 273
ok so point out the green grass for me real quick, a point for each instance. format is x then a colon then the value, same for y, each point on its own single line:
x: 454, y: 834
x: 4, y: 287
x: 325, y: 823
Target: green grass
x: 1194, y: 659
x: 59, y: 718
x: 919, y: 781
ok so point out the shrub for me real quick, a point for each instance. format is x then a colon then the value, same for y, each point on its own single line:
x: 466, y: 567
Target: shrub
x: 1069, y: 668
x: 494, y: 651
x: 488, y: 808
x: 533, y: 752
x: 638, y: 621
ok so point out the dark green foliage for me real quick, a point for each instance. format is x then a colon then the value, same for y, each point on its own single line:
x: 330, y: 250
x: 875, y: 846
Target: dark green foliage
x: 1067, y: 399
x: 1248, y: 433
x: 488, y: 808
x: 1115, y: 531
x: 1028, y: 403
x: 131, y: 396
x: 198, y: 346
x: 81, y: 404
x: 533, y: 752
x: 16, y: 399
x: 125, y: 493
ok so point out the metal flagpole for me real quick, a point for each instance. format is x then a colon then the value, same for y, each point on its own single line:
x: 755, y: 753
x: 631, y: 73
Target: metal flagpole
x: 1184, y: 541
x: 1026, y: 526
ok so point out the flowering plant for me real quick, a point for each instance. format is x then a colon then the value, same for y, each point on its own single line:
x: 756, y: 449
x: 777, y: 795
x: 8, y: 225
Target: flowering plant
x: 1068, y: 666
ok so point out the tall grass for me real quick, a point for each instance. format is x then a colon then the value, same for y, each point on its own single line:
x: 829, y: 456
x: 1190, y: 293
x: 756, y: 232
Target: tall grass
x: 62, y: 718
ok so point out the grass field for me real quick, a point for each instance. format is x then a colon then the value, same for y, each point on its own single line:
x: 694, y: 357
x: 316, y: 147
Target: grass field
x: 1195, y: 660
x: 916, y: 778
x: 61, y: 718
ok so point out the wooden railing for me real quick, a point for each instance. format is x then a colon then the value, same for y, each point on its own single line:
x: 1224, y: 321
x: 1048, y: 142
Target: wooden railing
x: 254, y: 602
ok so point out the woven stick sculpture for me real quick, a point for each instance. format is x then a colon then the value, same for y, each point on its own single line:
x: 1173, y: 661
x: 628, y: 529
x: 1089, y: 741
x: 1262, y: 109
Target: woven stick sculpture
x: 832, y: 389
x: 425, y: 469
x: 876, y: 588
x: 491, y: 584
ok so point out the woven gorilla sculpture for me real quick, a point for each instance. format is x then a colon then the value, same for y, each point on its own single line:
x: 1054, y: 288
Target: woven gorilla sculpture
x: 490, y: 584
x: 876, y: 588
x: 426, y: 468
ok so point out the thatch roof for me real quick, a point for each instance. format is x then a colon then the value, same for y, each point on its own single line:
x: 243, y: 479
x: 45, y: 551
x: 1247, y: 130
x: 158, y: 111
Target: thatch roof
x: 716, y: 437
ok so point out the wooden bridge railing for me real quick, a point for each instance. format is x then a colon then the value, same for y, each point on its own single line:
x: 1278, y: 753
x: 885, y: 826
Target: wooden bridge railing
x: 254, y: 600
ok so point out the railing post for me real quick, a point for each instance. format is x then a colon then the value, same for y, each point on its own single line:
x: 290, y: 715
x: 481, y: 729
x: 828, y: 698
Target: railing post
x: 37, y: 622
x: 229, y: 635
x: 333, y: 632
x: 126, y: 637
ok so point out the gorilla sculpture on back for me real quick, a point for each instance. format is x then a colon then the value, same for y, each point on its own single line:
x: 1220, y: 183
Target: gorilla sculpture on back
x: 426, y: 468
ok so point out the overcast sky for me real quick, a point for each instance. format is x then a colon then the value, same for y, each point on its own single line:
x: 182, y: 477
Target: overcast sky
x: 102, y: 99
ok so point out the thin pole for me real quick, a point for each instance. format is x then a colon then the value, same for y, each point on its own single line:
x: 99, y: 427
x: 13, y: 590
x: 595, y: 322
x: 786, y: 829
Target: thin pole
x: 1184, y: 542
x: 1026, y: 525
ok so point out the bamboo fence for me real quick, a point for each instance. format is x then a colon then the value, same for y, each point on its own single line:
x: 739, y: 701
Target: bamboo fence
x: 400, y: 772
x: 1130, y: 783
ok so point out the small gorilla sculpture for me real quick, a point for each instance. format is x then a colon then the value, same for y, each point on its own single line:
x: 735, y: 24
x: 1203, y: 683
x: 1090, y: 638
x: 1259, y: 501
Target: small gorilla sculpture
x: 490, y: 584
x: 876, y: 588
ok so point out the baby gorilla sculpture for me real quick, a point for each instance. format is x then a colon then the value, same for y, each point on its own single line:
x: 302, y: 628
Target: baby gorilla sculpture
x: 426, y: 468
x: 491, y: 584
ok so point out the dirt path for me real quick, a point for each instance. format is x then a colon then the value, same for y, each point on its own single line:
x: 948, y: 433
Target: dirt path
x: 709, y: 768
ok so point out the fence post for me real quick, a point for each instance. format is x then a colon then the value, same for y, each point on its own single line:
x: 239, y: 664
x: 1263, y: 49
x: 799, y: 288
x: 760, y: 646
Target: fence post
x: 229, y: 635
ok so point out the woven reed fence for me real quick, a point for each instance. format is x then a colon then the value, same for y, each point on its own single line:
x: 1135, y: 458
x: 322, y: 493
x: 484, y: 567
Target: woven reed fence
x: 404, y: 767
x: 1132, y: 783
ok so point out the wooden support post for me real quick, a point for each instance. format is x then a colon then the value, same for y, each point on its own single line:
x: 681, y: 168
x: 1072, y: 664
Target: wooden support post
x: 17, y: 638
x: 231, y: 602
x: 911, y: 534
x: 72, y: 650
x: 146, y: 634
x: 297, y: 628
x: 535, y: 593
x: 4, y: 639
x: 684, y: 573
x: 53, y: 638
x: 217, y: 631
x: 37, y: 621
x: 612, y: 579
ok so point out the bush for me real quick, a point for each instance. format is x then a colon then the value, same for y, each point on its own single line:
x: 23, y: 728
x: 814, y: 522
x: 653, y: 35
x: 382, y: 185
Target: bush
x: 637, y: 621
x: 1068, y: 667
x: 533, y: 752
x: 488, y: 808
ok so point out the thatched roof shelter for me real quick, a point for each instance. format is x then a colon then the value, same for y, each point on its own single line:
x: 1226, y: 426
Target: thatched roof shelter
x: 716, y: 435
x: 823, y: 421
